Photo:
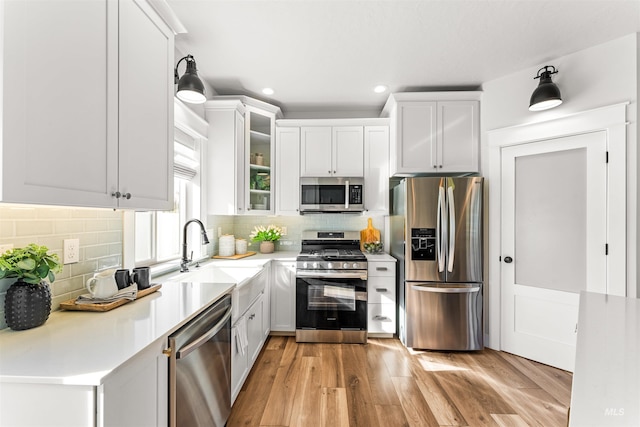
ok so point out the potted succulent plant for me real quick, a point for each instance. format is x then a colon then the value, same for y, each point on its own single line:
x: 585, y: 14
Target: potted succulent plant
x: 27, y: 302
x: 267, y: 236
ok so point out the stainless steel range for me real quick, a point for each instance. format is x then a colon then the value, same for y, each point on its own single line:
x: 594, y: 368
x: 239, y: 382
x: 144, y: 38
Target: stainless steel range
x: 331, y: 288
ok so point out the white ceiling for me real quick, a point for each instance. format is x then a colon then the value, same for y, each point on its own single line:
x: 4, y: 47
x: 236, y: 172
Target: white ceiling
x: 327, y: 55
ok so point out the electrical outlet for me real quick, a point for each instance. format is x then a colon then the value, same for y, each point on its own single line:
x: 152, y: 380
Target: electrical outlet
x: 5, y: 248
x: 71, y: 251
x: 284, y: 230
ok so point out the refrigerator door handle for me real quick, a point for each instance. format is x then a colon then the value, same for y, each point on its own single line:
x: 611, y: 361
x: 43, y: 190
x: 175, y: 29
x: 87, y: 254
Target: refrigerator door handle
x: 440, y: 229
x: 447, y: 290
x: 452, y: 228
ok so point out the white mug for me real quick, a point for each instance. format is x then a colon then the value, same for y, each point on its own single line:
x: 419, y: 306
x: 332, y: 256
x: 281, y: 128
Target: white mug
x: 103, y: 284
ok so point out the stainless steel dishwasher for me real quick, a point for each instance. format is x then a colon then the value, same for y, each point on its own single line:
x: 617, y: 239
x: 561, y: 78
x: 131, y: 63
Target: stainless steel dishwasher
x: 200, y: 369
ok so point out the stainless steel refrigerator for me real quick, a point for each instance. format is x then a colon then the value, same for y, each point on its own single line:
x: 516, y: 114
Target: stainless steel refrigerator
x: 436, y: 235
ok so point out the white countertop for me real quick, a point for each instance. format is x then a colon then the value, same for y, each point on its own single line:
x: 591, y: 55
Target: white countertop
x: 78, y: 347
x: 380, y: 257
x: 606, y: 380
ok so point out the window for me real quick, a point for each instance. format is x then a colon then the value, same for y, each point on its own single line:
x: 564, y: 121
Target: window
x: 158, y: 234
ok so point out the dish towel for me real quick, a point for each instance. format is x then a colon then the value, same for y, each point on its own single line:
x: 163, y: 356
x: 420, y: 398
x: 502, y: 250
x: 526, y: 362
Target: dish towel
x: 130, y: 293
x: 241, y: 335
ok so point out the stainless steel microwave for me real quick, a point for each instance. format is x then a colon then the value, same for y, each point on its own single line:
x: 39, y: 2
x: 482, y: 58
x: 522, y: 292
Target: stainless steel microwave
x: 337, y: 195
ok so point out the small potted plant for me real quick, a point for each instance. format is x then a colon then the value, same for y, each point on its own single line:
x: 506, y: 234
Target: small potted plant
x: 267, y: 236
x: 27, y: 303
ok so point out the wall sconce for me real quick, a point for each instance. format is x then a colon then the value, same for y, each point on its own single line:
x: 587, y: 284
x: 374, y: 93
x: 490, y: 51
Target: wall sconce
x: 190, y: 87
x: 547, y: 94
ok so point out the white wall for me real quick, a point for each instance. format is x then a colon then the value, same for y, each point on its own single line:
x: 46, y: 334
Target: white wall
x: 599, y: 76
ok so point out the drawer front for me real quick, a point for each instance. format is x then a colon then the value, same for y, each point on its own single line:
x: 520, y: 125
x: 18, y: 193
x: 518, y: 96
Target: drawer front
x: 382, y: 318
x: 381, y: 290
x: 382, y: 269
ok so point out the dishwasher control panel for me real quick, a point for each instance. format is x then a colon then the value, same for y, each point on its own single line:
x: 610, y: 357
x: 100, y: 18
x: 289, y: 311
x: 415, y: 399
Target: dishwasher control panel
x: 423, y: 244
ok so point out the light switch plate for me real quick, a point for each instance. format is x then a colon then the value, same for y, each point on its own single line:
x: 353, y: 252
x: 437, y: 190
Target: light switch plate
x: 71, y: 251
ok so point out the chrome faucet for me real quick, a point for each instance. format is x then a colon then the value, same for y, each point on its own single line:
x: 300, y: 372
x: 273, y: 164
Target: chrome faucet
x: 184, y: 264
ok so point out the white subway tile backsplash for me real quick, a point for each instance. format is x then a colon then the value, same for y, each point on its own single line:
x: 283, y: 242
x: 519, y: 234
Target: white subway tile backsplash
x: 241, y: 226
x: 99, y: 232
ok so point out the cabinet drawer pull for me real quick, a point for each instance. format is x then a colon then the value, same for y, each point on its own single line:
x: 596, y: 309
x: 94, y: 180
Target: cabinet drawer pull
x: 252, y: 316
x: 382, y: 290
x: 379, y: 317
x: 381, y: 268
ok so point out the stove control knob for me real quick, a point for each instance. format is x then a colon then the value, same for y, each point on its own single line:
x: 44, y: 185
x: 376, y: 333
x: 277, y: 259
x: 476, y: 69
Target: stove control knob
x: 315, y: 265
x: 355, y: 265
x: 345, y: 265
x: 329, y: 265
x: 304, y: 265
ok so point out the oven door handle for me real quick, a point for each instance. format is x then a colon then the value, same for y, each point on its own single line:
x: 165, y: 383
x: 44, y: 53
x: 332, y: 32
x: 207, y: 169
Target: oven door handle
x: 184, y: 351
x: 332, y: 275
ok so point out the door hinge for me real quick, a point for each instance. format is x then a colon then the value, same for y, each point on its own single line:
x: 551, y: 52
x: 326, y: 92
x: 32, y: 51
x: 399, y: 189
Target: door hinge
x: 606, y: 249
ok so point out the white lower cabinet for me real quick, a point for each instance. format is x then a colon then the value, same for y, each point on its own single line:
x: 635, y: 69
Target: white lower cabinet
x: 381, y: 297
x: 283, y: 297
x: 239, y: 364
x: 249, y: 331
x: 246, y: 342
x: 134, y: 395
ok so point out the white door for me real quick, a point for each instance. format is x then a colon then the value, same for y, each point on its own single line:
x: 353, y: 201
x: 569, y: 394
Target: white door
x: 554, y: 226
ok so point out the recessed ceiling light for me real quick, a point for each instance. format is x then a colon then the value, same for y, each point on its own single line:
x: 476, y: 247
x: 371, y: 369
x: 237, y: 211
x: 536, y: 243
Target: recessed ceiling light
x: 267, y: 91
x: 380, y: 89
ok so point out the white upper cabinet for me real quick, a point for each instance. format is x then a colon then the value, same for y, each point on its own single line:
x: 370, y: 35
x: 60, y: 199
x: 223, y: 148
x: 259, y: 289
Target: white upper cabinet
x: 87, y: 104
x: 240, y: 156
x: 145, y: 119
x: 288, y: 171
x: 434, y: 133
x: 331, y: 151
x: 315, y: 151
x: 458, y: 137
x: 224, y: 158
x: 376, y: 170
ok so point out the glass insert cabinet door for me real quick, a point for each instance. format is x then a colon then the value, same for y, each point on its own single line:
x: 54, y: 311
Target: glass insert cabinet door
x: 260, y: 134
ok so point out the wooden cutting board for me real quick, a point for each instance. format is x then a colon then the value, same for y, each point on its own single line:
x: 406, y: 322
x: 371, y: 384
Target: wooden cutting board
x: 234, y: 256
x: 106, y: 306
x: 369, y: 234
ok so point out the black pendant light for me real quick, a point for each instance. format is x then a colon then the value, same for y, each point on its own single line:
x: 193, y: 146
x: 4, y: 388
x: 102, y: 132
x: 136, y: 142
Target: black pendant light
x: 190, y: 87
x: 547, y: 95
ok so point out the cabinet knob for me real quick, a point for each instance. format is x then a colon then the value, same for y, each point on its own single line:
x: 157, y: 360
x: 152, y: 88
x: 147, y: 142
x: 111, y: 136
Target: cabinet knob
x: 329, y: 172
x: 167, y: 352
x: 127, y: 196
x: 435, y: 166
x: 117, y: 194
x: 440, y: 166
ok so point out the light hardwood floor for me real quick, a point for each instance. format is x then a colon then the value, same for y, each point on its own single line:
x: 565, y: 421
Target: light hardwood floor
x: 384, y: 384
